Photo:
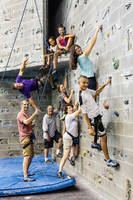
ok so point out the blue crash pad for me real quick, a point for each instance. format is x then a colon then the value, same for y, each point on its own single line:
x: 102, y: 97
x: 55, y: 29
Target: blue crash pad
x: 11, y: 177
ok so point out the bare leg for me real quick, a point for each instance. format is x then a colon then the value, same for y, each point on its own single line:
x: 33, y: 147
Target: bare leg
x: 104, y: 146
x: 49, y: 60
x: 51, y: 81
x: 58, y: 53
x: 59, y: 143
x: 69, y: 43
x: 76, y: 151
x: 46, y: 153
x: 64, y: 158
x: 26, y: 163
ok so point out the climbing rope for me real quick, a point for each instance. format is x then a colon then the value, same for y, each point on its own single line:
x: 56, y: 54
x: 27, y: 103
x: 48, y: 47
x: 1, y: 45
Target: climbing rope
x: 14, y: 43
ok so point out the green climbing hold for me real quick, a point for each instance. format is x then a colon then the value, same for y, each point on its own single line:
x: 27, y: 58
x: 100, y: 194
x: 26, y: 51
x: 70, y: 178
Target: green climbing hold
x: 116, y: 64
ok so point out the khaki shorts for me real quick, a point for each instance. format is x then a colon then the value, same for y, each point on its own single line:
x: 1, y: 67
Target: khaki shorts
x: 67, y: 143
x: 29, y: 149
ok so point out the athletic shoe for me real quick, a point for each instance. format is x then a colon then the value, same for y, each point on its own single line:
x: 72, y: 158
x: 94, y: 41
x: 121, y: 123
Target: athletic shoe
x: 28, y: 179
x: 96, y: 146
x: 72, y: 162
x: 54, y: 71
x: 59, y: 155
x: 59, y: 174
x: 112, y: 163
x: 32, y: 174
x: 48, y: 162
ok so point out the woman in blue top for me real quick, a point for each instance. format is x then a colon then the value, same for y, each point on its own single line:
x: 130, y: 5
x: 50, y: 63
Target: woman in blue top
x: 80, y: 57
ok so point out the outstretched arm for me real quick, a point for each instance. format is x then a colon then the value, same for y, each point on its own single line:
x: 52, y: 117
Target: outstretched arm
x: 33, y: 103
x: 88, y: 51
x: 23, y: 66
x: 66, y: 80
x: 69, y: 36
x: 68, y: 99
x: 31, y: 118
x: 99, y: 90
x: 77, y: 113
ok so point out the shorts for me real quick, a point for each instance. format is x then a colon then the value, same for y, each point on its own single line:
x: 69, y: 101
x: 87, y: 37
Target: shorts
x: 92, y: 83
x: 98, y: 126
x: 67, y: 143
x: 28, y: 148
x: 48, y: 144
x: 75, y: 141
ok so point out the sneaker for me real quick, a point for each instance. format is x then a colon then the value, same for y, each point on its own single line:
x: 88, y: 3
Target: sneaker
x: 32, y: 174
x: 28, y: 179
x: 112, y: 163
x: 72, y: 162
x: 59, y: 155
x: 48, y: 162
x: 59, y: 174
x: 96, y: 146
x: 54, y: 71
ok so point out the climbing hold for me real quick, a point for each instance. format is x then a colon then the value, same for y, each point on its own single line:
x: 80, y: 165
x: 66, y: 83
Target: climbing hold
x: 126, y: 102
x: 89, y: 164
x: 99, y: 180
x: 125, y: 156
x: 97, y: 54
x: 11, y: 104
x: 84, y: 153
x: 105, y: 104
x: 128, y: 6
x: 116, y: 113
x: 108, y: 34
x: 115, y: 63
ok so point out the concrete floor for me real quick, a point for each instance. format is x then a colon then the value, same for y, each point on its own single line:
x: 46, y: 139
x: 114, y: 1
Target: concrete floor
x: 81, y: 191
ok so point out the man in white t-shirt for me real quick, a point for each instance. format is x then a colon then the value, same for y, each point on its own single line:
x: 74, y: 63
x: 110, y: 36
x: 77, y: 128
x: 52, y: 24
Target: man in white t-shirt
x: 91, y: 112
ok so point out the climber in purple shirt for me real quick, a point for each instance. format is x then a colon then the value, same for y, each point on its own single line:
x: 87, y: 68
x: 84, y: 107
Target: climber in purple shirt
x: 27, y: 86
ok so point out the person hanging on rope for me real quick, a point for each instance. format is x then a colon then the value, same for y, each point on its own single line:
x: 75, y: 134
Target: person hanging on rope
x: 27, y: 86
x: 70, y: 137
x: 25, y: 124
x: 64, y: 41
x: 91, y: 113
x: 64, y: 98
x: 50, y: 133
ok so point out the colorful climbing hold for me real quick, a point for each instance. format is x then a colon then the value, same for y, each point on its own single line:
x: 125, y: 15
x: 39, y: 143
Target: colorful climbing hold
x: 115, y: 63
x: 84, y: 153
x: 108, y: 34
x: 116, y: 113
x: 105, y: 104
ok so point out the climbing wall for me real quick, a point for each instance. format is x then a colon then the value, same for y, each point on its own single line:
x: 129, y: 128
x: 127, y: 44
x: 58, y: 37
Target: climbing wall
x: 112, y: 56
x: 30, y: 36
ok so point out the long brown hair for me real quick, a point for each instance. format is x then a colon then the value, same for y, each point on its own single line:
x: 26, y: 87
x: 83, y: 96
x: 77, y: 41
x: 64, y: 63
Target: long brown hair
x: 73, y: 57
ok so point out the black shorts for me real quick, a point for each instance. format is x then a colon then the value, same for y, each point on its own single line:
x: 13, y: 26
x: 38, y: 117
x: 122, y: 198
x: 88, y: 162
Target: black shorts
x: 98, y: 126
x: 75, y: 141
x: 48, y: 144
x: 92, y: 83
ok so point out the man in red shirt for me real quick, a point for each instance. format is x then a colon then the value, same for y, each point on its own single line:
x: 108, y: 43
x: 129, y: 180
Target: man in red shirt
x: 25, y: 124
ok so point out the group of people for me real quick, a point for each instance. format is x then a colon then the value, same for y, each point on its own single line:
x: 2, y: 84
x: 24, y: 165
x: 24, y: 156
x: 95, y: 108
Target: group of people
x: 85, y: 104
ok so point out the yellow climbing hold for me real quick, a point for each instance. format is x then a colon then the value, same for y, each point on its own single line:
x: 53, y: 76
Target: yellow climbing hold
x: 84, y: 153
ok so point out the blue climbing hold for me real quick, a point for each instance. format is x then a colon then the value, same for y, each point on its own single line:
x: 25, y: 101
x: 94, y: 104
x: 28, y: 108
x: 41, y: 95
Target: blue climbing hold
x: 116, y: 113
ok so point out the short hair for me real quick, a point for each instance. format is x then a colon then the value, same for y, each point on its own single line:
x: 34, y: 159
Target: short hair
x: 66, y: 107
x: 49, y: 106
x: 51, y: 37
x: 82, y: 76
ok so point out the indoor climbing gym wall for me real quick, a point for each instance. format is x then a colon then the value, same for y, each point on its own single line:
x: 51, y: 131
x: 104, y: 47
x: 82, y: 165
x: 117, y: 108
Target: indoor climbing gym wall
x: 112, y: 56
x: 22, y: 17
